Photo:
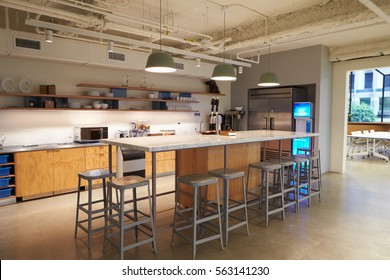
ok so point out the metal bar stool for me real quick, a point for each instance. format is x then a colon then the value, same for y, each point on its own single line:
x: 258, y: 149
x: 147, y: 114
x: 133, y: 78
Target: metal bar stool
x: 201, y: 214
x: 313, y: 176
x: 272, y: 192
x: 226, y: 175
x: 93, y: 213
x: 129, y: 219
x: 316, y: 164
x: 289, y: 181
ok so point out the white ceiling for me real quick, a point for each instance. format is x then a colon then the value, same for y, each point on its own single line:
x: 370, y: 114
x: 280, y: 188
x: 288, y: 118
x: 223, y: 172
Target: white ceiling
x: 349, y: 28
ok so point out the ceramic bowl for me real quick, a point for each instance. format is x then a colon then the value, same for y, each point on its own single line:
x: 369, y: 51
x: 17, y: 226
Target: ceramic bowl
x: 104, y: 105
x: 96, y: 105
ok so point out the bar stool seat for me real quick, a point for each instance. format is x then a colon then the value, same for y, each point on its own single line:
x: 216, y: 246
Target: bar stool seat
x: 93, y: 208
x: 121, y: 220
x: 202, y: 212
x: 272, y: 192
x: 231, y: 205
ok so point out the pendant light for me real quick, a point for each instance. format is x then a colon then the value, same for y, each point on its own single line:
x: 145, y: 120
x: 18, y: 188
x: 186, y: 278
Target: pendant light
x: 224, y: 71
x: 268, y: 79
x: 160, y: 62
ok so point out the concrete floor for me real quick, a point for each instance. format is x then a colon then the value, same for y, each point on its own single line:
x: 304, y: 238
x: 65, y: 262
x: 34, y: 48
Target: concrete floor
x: 352, y: 222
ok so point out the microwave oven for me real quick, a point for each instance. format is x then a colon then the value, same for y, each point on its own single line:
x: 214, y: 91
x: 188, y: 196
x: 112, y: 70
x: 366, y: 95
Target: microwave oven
x: 90, y: 134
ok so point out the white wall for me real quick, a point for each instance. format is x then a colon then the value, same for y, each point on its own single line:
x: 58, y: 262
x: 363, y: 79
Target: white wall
x: 297, y: 67
x: 37, y: 127
x: 340, y: 104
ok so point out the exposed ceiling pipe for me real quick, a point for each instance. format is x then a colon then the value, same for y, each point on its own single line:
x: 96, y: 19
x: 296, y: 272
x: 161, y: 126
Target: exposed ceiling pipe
x: 108, y: 37
x: 374, y: 8
x: 109, y: 14
x: 89, y: 21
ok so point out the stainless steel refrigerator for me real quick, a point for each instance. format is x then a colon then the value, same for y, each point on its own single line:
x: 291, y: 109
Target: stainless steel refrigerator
x: 272, y: 109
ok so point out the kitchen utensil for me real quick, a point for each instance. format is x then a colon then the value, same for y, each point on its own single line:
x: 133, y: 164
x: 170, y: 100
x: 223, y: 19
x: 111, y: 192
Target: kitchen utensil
x: 74, y: 105
x: 93, y: 93
x: 96, y: 105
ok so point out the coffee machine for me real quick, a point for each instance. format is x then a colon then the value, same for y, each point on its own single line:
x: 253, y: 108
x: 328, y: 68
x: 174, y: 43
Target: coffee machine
x: 231, y: 119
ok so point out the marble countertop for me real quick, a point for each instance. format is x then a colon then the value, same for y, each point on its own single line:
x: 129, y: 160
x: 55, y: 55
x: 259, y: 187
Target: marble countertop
x: 178, y: 142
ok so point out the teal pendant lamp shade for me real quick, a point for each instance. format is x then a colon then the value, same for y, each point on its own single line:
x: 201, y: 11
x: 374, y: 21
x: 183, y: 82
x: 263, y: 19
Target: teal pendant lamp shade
x: 224, y: 72
x: 268, y: 79
x: 160, y: 62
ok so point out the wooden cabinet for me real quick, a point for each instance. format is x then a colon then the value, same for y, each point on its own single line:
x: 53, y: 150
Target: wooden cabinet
x: 97, y: 157
x: 47, y: 172
x: 67, y: 163
x: 35, y: 173
x: 165, y: 163
x: 201, y: 160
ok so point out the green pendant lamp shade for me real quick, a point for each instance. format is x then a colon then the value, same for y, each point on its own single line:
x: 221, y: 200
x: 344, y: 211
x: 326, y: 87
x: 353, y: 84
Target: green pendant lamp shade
x: 160, y: 62
x: 268, y: 79
x: 224, y: 72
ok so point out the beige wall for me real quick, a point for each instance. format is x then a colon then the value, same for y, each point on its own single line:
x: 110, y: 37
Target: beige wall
x: 36, y: 127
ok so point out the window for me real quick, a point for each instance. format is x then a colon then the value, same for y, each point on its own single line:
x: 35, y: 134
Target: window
x: 387, y: 82
x: 365, y: 100
x: 368, y: 77
x: 369, y: 95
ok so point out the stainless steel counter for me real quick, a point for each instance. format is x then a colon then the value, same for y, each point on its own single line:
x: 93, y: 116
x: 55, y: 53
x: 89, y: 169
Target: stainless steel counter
x: 49, y: 146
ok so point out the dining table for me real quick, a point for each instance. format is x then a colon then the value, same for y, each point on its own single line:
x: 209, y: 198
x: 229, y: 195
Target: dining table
x: 372, y: 143
x: 199, y: 142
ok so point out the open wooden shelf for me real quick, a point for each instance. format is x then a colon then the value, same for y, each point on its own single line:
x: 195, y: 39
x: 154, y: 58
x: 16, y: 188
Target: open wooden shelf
x: 147, y: 89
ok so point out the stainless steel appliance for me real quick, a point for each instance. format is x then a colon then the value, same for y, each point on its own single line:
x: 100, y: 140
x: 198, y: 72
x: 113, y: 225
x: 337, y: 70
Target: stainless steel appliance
x: 90, y: 134
x: 271, y: 108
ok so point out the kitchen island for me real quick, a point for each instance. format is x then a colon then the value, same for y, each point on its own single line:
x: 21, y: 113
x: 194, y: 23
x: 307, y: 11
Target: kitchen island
x: 200, y: 153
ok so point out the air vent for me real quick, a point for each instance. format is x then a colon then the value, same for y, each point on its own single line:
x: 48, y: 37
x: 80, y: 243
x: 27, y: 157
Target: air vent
x: 179, y: 66
x: 117, y: 56
x: 27, y: 43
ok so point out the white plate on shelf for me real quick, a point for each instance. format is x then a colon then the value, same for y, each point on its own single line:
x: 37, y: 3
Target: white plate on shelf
x: 25, y: 86
x: 8, y: 84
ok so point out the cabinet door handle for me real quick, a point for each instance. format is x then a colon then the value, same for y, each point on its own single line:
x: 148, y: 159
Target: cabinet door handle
x: 266, y: 122
x: 272, y: 123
